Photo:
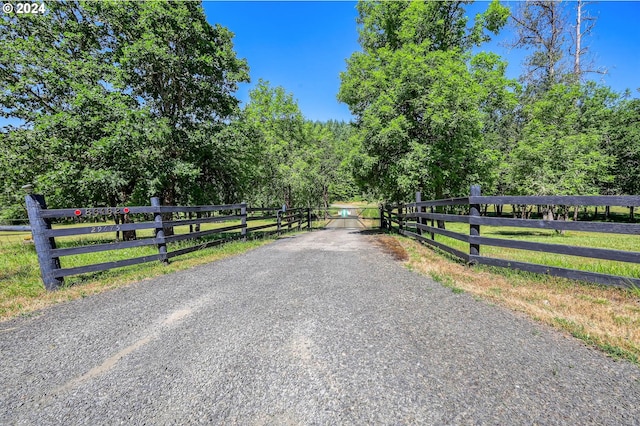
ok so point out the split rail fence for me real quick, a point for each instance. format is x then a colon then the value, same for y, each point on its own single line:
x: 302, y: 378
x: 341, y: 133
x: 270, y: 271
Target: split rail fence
x: 418, y: 220
x: 160, y: 221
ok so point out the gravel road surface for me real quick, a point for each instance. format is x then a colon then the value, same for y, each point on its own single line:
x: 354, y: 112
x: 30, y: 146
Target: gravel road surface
x: 319, y: 328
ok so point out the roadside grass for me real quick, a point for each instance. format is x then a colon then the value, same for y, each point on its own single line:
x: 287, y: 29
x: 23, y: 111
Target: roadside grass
x: 605, y: 317
x: 572, y: 238
x: 22, y: 291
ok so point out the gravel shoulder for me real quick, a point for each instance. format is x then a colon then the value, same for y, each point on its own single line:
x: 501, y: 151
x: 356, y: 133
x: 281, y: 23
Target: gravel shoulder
x: 318, y: 328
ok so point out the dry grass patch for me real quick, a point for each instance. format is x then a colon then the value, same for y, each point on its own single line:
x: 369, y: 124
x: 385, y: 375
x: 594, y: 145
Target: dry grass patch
x: 608, y: 318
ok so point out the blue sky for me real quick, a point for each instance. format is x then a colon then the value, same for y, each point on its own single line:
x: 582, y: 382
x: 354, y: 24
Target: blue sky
x: 302, y: 46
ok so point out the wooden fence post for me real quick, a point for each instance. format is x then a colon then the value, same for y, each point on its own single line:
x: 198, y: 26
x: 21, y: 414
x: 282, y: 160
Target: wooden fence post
x: 382, y: 224
x: 243, y: 221
x: 418, y: 210
x: 433, y: 235
x: 279, y: 222
x: 162, y: 245
x: 309, y: 218
x: 44, y: 244
x: 400, y: 218
x: 474, y: 230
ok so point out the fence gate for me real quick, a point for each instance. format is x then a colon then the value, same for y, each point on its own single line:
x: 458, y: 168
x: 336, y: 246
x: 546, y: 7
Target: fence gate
x: 350, y: 217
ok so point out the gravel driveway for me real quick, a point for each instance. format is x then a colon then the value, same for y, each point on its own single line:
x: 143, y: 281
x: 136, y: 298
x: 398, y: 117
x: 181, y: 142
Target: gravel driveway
x: 320, y: 328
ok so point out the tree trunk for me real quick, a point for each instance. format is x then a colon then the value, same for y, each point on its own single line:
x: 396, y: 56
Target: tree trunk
x: 548, y: 213
x: 575, y: 213
x: 577, y: 72
x: 632, y: 216
x: 128, y: 235
x: 168, y: 200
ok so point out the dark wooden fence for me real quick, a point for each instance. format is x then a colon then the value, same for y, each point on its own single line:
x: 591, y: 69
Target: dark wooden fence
x: 419, y: 219
x: 161, y: 220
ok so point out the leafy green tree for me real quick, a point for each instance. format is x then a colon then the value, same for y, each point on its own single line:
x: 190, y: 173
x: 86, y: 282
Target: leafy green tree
x: 557, y: 154
x: 55, y: 78
x: 185, y: 72
x: 273, y: 115
x: 121, y: 101
x: 328, y: 158
x: 416, y: 101
x: 624, y: 146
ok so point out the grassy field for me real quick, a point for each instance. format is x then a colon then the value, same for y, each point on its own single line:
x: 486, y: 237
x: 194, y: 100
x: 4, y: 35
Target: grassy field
x: 22, y: 291
x: 605, y: 317
x: 572, y: 238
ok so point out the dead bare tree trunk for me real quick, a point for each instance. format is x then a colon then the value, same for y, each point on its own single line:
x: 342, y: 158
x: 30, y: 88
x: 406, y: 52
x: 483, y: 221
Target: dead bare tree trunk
x: 583, y: 28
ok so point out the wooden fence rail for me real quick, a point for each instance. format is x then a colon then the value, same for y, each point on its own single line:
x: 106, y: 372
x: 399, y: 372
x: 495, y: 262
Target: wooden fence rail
x: 161, y: 220
x: 412, y: 220
x: 15, y: 228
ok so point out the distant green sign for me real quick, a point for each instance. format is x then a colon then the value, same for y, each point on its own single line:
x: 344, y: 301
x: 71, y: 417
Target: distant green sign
x: 344, y: 213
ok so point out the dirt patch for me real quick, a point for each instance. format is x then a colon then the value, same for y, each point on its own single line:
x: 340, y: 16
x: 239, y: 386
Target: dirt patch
x: 391, y: 246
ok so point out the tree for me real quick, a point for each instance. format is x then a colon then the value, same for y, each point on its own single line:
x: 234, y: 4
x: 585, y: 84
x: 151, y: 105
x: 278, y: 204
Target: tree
x: 580, y: 51
x: 274, y: 116
x: 55, y: 76
x: 560, y: 50
x: 121, y: 100
x: 185, y: 72
x: 560, y: 152
x: 541, y: 25
x: 329, y: 170
x: 415, y: 100
x: 624, y: 146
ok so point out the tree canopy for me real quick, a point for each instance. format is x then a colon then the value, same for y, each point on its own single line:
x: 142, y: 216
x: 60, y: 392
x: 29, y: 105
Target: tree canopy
x: 416, y: 99
x: 125, y: 100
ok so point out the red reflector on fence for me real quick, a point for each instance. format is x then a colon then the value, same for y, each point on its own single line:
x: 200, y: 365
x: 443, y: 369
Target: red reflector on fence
x: 77, y: 212
x: 126, y: 210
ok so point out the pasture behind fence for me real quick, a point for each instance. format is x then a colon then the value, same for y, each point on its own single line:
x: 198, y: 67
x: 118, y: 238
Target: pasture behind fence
x: 422, y: 220
x: 180, y: 227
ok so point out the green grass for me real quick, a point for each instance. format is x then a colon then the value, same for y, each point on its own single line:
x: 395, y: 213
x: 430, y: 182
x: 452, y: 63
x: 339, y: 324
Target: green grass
x: 21, y: 284
x: 446, y: 281
x: 571, y: 238
x: 370, y: 213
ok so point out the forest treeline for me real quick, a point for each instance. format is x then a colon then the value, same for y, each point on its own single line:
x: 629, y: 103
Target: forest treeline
x: 122, y: 101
